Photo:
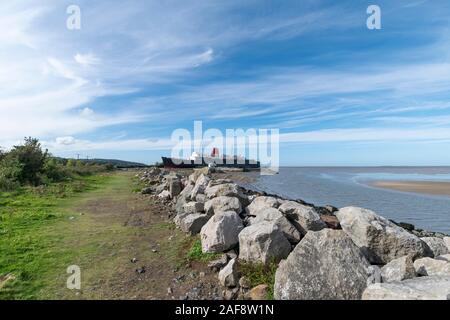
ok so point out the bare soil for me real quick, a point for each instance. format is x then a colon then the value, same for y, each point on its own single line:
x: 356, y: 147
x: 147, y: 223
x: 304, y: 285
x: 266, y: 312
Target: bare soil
x: 136, y: 251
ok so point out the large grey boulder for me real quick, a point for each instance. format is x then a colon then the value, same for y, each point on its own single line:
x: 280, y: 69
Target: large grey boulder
x: 435, y: 246
x: 200, y: 186
x: 445, y: 257
x: 193, y: 207
x: 182, y: 198
x: 447, y: 243
x: 175, y: 187
x: 227, y: 189
x: 229, y: 276
x: 263, y: 242
x: 422, y: 288
x: 432, y: 267
x: 260, y: 203
x: 275, y: 216
x: 380, y: 239
x: 193, y: 223
x: 223, y: 203
x: 221, y: 232
x: 398, y: 269
x: 325, y: 265
x: 303, y: 217
x: 215, y: 182
x: 196, y: 174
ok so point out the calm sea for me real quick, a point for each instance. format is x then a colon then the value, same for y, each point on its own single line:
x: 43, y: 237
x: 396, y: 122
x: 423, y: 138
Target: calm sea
x: 339, y: 186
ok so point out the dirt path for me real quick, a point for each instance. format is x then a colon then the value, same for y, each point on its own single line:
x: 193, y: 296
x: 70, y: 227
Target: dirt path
x: 127, y: 248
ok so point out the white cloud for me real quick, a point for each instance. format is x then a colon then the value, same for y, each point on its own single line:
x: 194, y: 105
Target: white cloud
x: 86, y: 59
x: 87, y: 112
x: 65, y: 141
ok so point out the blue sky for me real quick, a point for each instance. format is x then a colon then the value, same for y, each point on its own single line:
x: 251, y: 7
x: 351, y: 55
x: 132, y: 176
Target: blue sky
x: 340, y: 94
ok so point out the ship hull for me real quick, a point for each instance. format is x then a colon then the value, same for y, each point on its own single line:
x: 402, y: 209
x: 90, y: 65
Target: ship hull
x: 225, y: 163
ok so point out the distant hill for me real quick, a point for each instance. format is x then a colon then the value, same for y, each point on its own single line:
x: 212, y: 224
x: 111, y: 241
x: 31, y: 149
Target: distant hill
x: 117, y: 163
x: 114, y: 162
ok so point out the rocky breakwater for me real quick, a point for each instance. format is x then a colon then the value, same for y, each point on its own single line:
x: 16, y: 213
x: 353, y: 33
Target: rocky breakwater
x: 321, y: 252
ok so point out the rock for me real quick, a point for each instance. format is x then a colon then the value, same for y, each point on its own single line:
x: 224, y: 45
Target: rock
x: 325, y: 265
x: 197, y: 173
x: 447, y: 242
x: 221, y: 232
x: 216, y: 182
x: 222, y: 204
x: 374, y: 274
x: 244, y: 283
x: 435, y: 246
x: 175, y: 187
x: 218, y: 263
x: 160, y: 188
x: 406, y: 226
x: 331, y: 209
x: 260, y: 292
x: 304, y: 218
x: 444, y: 257
x: 263, y: 242
x: 275, y: 216
x: 331, y: 221
x: 201, y: 198
x: 228, y: 190
x: 200, y: 186
x: 231, y: 254
x: 147, y: 190
x: 193, y: 223
x: 164, y: 194
x: 379, y: 239
x: 140, y: 270
x: 179, y: 217
x: 4, y: 279
x: 432, y: 267
x: 398, y: 269
x: 422, y: 288
x: 182, y: 198
x: 230, y: 294
x: 228, y: 276
x: 193, y: 207
x: 260, y: 203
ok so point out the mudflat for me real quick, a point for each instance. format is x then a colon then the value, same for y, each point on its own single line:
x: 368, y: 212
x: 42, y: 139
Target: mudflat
x: 424, y: 187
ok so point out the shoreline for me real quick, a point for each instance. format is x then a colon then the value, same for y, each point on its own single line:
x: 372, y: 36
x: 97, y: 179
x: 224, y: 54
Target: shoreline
x: 436, y: 188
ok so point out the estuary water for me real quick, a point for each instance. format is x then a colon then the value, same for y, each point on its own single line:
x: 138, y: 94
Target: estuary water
x: 349, y: 186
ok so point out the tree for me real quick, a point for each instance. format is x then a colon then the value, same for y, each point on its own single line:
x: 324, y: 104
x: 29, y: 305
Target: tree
x: 71, y: 163
x: 32, y: 160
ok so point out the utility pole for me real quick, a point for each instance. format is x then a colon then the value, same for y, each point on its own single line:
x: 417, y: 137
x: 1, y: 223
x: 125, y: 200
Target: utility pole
x: 78, y: 156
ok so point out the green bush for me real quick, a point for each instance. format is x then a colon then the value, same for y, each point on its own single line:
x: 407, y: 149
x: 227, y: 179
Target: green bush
x: 28, y: 164
x: 10, y: 170
x: 31, y: 159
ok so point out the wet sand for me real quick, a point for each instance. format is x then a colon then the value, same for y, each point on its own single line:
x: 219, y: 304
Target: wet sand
x: 424, y: 187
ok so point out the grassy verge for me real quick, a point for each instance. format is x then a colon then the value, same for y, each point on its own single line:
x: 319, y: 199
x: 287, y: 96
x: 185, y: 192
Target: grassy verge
x: 33, y: 224
x: 258, y: 273
x: 195, y: 252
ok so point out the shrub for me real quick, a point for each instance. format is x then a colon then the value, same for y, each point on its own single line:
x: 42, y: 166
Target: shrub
x: 10, y: 170
x: 32, y: 161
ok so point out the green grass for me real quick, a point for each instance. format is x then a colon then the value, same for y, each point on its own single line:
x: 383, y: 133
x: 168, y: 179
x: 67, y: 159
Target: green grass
x: 258, y: 273
x: 33, y: 224
x: 195, y: 252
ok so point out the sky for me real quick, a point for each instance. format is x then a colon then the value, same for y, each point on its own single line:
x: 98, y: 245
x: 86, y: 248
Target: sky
x: 339, y: 93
